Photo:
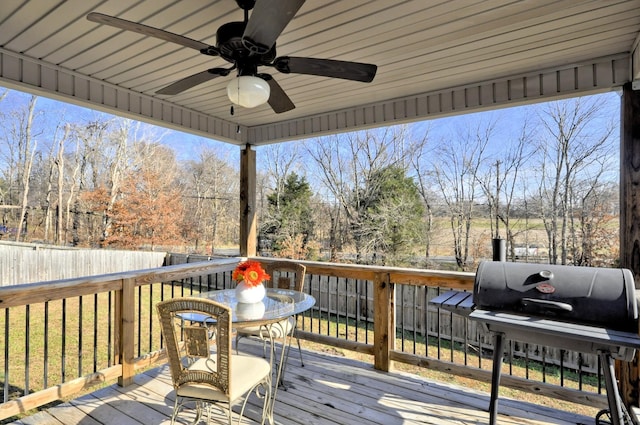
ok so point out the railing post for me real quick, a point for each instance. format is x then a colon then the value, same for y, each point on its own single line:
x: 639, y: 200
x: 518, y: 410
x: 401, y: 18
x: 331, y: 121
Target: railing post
x: 384, y: 321
x: 248, y: 223
x: 125, y: 330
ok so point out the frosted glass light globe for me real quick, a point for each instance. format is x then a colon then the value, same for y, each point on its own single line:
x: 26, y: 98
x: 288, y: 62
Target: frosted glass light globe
x: 248, y: 91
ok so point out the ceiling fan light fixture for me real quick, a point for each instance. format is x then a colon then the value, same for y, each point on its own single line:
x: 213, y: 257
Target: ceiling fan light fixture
x: 248, y: 91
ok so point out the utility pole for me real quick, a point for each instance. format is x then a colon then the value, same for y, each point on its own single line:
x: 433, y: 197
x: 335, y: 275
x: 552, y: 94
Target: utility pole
x: 498, y: 244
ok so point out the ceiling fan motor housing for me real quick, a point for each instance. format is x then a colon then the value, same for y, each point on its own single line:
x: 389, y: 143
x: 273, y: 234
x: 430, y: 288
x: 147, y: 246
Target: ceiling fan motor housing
x: 232, y: 48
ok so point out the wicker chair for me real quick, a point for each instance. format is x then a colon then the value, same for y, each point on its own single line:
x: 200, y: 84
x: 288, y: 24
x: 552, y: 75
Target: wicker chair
x: 202, y: 375
x: 284, y: 275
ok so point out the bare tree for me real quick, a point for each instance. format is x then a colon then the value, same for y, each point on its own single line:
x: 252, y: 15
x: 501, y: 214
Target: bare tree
x: 424, y: 177
x: 23, y: 136
x: 455, y: 169
x: 118, y: 166
x: 281, y: 160
x: 502, y: 173
x: 6, y: 180
x: 55, y: 173
x: 89, y: 140
x: 60, y: 171
x: 213, y: 188
x: 72, y: 177
x: 48, y: 204
x: 575, y: 145
x: 347, y: 166
x: 593, y: 223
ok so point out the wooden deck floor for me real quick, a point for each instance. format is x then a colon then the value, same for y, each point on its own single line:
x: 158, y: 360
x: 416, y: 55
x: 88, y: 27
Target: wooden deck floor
x: 328, y: 390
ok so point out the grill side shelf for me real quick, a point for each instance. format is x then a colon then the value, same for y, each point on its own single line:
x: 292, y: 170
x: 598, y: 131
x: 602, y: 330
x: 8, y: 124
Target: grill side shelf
x: 458, y: 302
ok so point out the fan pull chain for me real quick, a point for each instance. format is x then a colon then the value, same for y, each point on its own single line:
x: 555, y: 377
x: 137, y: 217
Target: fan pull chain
x: 237, y: 126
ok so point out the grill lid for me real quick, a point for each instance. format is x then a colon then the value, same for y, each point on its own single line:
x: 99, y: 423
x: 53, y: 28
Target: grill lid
x: 601, y: 296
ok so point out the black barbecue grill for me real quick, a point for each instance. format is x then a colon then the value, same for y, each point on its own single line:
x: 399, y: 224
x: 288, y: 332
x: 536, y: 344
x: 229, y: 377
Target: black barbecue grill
x: 586, y: 309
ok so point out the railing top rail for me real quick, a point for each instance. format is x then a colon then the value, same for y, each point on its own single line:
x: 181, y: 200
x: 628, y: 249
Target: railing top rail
x: 31, y: 293
x: 16, y: 295
x: 407, y: 276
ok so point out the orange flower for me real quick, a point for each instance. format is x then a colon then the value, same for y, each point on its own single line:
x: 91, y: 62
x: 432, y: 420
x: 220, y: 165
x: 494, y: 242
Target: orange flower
x: 251, y: 272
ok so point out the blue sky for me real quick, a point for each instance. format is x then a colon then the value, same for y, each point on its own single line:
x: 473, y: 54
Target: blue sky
x: 186, y: 146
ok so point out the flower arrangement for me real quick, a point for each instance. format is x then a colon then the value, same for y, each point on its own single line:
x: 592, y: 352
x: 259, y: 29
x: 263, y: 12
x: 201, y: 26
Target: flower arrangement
x: 251, y: 272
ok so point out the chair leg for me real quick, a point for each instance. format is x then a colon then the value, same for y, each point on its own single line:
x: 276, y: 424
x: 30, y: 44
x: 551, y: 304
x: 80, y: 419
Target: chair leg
x: 229, y: 415
x: 300, y: 351
x: 293, y: 332
x: 199, y: 405
x: 287, y: 348
x: 179, y: 403
x: 295, y: 327
x: 208, y: 413
x: 267, y: 410
x: 176, y: 407
x: 237, y: 342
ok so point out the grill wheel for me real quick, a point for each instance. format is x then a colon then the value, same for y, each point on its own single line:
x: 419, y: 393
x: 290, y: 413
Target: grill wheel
x: 604, y: 417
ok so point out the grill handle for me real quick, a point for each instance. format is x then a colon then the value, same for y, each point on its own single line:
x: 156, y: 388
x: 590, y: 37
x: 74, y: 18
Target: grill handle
x: 553, y: 305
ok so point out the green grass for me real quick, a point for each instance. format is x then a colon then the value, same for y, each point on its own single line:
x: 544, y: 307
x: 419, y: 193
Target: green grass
x: 51, y: 343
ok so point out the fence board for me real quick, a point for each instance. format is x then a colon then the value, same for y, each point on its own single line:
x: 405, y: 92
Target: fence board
x: 28, y: 263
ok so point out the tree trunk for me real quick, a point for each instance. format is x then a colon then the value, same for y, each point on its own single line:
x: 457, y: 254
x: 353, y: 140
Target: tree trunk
x: 29, y: 151
x: 60, y: 164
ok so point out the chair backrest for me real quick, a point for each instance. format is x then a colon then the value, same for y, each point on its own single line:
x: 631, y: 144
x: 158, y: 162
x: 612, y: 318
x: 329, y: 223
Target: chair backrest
x: 286, y: 275
x: 181, y: 340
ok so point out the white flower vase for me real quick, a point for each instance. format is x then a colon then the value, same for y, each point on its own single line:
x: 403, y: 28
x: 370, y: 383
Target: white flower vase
x: 248, y: 294
x: 252, y: 311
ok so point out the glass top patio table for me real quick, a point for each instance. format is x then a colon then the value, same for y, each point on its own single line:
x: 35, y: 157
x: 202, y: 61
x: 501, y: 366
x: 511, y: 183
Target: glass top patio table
x: 278, y: 304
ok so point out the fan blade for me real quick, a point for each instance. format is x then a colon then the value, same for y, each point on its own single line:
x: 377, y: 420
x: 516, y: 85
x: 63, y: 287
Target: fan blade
x: 355, y: 71
x: 268, y: 20
x: 193, y: 80
x: 148, y: 31
x: 278, y: 99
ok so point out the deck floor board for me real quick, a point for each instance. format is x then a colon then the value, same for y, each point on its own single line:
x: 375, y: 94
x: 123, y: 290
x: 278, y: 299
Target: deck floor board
x: 328, y: 390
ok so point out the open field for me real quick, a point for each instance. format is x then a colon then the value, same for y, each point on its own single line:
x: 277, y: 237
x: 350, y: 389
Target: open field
x: 481, y: 235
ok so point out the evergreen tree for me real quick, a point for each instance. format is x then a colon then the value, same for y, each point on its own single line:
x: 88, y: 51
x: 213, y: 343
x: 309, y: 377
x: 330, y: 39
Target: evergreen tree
x: 394, y: 216
x: 289, y: 222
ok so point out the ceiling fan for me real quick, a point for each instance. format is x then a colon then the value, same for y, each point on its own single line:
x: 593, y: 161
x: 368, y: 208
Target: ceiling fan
x: 248, y: 45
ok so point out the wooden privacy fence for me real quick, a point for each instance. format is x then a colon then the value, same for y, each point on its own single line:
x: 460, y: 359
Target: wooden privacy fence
x: 27, y: 263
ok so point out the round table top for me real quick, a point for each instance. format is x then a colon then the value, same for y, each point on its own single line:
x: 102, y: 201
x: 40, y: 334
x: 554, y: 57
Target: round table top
x: 278, y: 304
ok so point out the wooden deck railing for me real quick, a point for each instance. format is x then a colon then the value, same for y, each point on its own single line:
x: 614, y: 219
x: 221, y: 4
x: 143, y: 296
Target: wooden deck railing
x: 62, y: 337
x: 52, y: 328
